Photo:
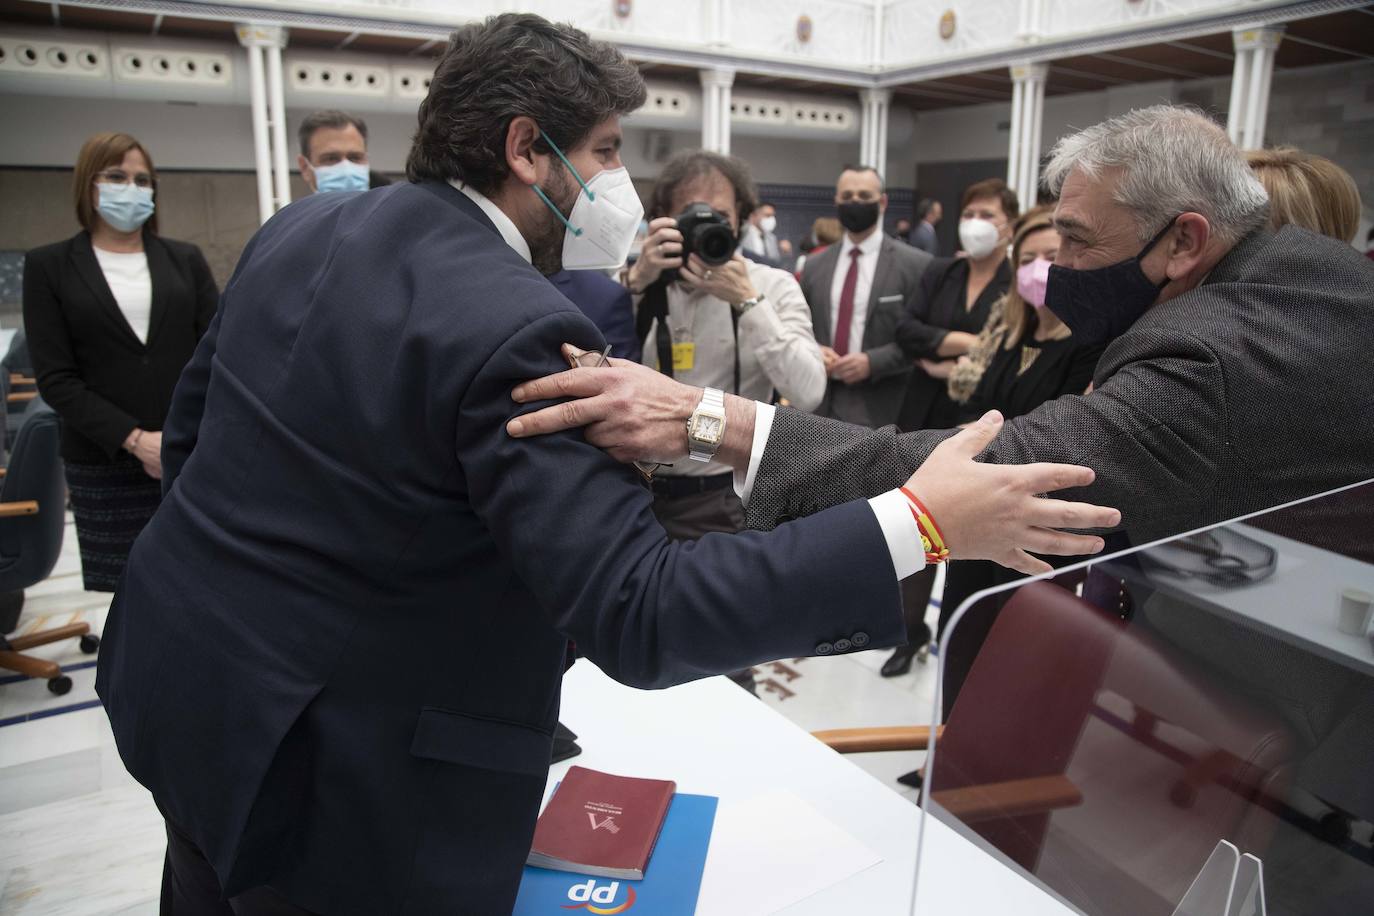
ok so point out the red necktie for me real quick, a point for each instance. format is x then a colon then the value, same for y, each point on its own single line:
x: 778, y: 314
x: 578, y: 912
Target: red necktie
x: 846, y: 318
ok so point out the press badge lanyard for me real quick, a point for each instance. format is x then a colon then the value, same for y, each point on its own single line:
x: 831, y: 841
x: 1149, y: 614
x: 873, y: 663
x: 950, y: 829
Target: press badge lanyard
x: 655, y: 307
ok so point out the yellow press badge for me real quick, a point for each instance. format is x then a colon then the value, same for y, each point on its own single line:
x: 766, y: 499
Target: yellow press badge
x: 684, y: 356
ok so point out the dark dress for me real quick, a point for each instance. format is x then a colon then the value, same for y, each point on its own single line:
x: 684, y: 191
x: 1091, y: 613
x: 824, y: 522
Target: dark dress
x: 938, y: 308
x: 1062, y: 367
x: 103, y: 381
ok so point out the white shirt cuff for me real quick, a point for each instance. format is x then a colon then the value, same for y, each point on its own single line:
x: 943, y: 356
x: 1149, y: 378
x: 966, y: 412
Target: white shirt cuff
x: 763, y: 425
x: 901, y: 532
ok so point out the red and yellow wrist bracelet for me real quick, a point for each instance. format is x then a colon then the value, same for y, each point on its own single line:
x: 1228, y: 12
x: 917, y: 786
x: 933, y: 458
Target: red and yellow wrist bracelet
x: 932, y: 541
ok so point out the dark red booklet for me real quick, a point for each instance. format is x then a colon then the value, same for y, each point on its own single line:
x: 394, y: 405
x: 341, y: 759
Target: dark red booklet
x: 601, y: 824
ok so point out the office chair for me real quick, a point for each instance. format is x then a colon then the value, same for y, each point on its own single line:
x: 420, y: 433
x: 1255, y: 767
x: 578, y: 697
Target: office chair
x: 1100, y: 761
x: 32, y: 521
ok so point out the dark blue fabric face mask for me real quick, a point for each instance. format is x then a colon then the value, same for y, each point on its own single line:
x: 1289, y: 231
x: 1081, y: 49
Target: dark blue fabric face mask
x: 1099, y: 305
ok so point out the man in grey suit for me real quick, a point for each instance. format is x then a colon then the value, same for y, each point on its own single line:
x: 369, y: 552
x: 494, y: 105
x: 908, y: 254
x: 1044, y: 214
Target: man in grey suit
x: 857, y: 291
x: 1237, y: 377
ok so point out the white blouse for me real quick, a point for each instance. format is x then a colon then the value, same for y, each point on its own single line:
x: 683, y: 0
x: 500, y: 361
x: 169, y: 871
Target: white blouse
x: 132, y: 286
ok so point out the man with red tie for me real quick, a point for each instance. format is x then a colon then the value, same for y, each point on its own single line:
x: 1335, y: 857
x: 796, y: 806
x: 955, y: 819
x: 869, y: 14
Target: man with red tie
x: 857, y: 291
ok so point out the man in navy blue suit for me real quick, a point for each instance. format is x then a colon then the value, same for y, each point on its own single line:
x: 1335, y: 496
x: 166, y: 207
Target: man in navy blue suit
x: 335, y: 656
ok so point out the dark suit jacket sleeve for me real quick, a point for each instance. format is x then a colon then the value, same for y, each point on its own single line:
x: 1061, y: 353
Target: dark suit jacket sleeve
x: 918, y: 339
x: 54, y: 361
x: 580, y: 532
x: 1153, y: 432
x: 207, y: 293
x: 620, y: 326
x: 182, y: 427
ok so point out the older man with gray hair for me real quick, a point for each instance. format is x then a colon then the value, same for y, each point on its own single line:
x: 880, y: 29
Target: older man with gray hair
x: 1237, y: 377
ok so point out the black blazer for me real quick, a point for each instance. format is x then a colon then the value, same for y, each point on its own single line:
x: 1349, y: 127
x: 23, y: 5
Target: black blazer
x: 336, y: 653
x: 936, y: 309
x: 91, y: 367
x: 1063, y: 367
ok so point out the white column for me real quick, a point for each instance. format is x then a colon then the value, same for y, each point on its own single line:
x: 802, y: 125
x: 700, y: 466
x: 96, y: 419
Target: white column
x: 1027, y: 113
x: 873, y: 133
x: 715, y: 109
x: 1018, y: 96
x: 257, y: 39
x: 1250, y: 84
x: 262, y: 154
x: 276, y: 107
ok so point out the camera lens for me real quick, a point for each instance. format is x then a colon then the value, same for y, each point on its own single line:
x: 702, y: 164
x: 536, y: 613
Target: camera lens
x: 714, y: 243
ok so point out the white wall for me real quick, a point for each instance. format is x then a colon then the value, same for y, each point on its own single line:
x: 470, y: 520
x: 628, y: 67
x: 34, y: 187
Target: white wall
x: 982, y: 131
x: 49, y: 130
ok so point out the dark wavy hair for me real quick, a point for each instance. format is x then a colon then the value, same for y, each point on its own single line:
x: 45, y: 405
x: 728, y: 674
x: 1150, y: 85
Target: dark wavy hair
x: 512, y: 65
x: 690, y: 165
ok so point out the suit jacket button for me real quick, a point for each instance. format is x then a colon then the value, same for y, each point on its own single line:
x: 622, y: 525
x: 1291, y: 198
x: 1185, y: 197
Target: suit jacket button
x: 860, y: 639
x: 843, y: 645
x: 824, y: 648
x: 145, y: 360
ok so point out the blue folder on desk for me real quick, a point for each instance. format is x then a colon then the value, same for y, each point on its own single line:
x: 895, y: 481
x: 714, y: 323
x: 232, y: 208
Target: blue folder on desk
x: 669, y: 887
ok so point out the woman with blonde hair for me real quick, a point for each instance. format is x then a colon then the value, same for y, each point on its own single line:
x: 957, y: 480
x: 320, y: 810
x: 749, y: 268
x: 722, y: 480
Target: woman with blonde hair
x: 1308, y: 190
x: 113, y: 315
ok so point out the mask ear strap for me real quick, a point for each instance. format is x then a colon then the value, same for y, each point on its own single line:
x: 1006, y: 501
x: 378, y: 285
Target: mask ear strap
x: 556, y: 212
x: 1149, y: 246
x: 591, y: 195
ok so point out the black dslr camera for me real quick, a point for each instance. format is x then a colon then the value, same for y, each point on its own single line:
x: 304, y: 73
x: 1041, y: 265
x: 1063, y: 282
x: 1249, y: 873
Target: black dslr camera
x: 705, y: 233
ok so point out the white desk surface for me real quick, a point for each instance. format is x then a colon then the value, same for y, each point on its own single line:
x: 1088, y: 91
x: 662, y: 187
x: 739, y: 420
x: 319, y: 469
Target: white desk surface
x: 712, y: 738
x: 1297, y: 604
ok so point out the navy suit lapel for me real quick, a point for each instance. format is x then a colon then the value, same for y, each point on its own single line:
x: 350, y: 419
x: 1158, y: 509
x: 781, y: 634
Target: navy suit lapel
x: 88, y: 269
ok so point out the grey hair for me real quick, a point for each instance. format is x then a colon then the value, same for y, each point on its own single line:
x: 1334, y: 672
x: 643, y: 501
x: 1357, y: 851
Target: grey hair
x: 1173, y: 159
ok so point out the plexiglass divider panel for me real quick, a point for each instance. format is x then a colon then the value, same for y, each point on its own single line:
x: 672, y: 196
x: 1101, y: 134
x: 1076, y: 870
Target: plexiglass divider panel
x: 1114, y: 727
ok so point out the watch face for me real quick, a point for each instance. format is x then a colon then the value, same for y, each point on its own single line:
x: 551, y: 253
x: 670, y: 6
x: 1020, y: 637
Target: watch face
x: 707, y: 429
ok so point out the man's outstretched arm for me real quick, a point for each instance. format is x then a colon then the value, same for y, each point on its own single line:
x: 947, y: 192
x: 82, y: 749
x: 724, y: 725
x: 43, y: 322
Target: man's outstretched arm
x: 986, y: 511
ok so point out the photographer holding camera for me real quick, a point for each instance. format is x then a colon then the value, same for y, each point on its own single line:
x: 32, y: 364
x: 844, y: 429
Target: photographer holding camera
x: 710, y: 318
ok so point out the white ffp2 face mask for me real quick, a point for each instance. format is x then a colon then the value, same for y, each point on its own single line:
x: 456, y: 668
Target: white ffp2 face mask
x: 768, y: 224
x: 604, y: 220
x: 978, y: 237
x: 603, y: 223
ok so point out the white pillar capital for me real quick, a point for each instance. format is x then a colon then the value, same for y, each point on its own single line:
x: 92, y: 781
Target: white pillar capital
x: 258, y: 35
x: 1266, y: 38
x: 717, y: 77
x: 1028, y: 71
x: 875, y: 95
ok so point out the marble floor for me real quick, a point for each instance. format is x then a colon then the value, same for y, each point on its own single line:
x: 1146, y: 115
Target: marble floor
x: 78, y: 837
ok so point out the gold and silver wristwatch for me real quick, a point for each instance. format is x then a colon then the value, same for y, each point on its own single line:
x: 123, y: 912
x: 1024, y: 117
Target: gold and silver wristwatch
x: 706, y: 426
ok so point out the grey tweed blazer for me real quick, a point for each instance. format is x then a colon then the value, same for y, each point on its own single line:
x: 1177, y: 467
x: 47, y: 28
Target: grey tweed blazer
x: 1254, y: 389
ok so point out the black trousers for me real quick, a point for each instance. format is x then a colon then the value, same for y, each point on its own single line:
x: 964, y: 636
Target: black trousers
x: 191, y: 888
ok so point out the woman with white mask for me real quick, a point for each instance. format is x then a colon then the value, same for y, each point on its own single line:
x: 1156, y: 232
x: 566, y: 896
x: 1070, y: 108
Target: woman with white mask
x: 113, y: 315
x: 941, y: 324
